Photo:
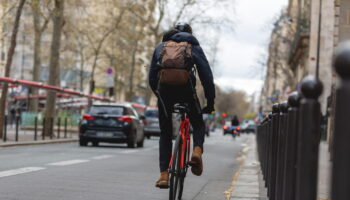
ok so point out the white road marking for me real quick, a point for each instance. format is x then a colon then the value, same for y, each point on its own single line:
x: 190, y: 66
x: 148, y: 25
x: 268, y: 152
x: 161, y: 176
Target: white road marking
x: 129, y: 151
x: 102, y: 157
x: 68, y: 162
x: 19, y: 171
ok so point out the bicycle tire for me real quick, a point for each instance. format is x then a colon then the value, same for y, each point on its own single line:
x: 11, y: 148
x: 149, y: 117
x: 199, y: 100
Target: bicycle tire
x: 182, y: 180
x: 175, y: 170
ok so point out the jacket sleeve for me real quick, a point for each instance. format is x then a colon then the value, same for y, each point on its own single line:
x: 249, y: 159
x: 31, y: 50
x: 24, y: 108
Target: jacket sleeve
x: 153, y: 71
x: 204, y: 72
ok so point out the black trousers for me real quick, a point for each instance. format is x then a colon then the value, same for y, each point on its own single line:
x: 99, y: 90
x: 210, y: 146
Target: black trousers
x: 170, y: 96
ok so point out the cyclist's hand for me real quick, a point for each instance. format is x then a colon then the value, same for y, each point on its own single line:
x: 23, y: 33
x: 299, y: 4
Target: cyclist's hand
x: 208, y: 109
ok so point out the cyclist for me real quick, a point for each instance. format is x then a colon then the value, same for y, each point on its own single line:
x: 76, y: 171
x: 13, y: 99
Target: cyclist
x: 169, y: 94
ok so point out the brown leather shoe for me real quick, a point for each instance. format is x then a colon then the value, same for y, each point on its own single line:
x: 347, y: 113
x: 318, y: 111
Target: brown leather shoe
x: 163, y: 181
x: 196, y: 161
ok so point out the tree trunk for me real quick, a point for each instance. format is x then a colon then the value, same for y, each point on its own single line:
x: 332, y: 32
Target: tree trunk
x: 33, y: 105
x: 130, y: 94
x: 54, y: 76
x: 82, y: 63
x: 10, y: 54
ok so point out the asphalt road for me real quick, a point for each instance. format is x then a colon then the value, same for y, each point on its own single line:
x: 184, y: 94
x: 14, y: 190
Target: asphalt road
x: 110, y: 172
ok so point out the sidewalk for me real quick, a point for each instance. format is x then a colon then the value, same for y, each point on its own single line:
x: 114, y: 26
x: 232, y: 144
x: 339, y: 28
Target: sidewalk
x: 248, y: 183
x: 26, y: 137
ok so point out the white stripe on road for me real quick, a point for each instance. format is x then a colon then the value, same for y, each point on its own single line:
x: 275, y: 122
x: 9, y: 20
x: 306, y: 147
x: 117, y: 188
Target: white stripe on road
x: 68, y: 162
x: 137, y: 150
x: 19, y: 171
x: 129, y: 151
x: 102, y: 157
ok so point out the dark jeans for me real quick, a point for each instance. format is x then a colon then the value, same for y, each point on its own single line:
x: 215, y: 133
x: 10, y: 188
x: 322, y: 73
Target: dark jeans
x: 172, y: 95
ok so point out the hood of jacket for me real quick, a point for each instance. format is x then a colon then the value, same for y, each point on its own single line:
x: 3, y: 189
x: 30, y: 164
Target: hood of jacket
x: 185, y: 37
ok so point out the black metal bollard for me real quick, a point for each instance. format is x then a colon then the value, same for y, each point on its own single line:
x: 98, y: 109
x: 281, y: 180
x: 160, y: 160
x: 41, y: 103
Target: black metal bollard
x: 5, y: 130
x: 267, y: 144
x: 291, y: 148
x: 43, y: 127
x: 269, y: 138
x: 65, y: 127
x: 51, y: 127
x: 58, y: 127
x: 17, y: 126
x: 273, y: 149
x: 308, y: 139
x: 341, y: 147
x: 35, y: 128
x: 281, y: 149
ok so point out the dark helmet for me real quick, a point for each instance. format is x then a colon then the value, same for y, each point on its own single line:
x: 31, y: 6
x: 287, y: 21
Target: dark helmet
x: 184, y: 27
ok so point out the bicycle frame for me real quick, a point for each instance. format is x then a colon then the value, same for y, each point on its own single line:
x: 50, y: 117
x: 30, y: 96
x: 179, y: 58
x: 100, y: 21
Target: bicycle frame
x: 186, y: 142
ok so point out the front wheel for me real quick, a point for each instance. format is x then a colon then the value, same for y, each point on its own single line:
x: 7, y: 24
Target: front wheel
x: 177, y: 173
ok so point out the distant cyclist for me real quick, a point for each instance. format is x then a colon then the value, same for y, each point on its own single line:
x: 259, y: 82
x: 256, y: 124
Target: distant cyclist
x: 235, y: 121
x: 172, y: 78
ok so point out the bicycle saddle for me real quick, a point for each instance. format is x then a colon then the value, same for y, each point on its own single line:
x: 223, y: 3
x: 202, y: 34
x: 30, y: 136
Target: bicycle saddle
x: 181, y: 107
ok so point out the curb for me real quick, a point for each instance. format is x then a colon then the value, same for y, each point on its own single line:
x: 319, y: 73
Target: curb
x: 39, y: 142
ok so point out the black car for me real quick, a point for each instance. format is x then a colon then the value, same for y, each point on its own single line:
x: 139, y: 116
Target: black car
x: 112, y: 123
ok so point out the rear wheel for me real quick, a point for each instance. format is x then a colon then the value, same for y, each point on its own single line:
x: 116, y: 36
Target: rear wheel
x: 95, y: 143
x: 177, y: 173
x: 132, y: 141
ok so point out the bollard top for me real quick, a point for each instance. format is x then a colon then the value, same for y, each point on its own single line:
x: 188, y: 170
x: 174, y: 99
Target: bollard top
x: 284, y: 107
x: 275, y: 108
x: 341, y: 61
x: 294, y: 99
x: 269, y: 116
x: 311, y: 87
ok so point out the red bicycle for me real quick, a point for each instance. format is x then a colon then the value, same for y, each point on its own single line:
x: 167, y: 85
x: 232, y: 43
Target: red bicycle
x: 179, y: 162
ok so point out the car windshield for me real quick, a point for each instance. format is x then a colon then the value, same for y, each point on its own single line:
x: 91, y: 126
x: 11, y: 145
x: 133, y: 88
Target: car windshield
x: 106, y: 110
x: 151, y: 113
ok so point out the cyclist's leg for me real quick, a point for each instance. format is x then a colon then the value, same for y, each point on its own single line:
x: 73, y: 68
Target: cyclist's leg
x: 165, y: 141
x: 197, y: 123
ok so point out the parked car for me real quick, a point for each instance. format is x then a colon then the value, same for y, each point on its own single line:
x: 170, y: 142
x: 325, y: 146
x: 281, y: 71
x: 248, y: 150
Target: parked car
x: 232, y: 130
x: 151, y: 127
x: 248, y: 126
x: 112, y: 123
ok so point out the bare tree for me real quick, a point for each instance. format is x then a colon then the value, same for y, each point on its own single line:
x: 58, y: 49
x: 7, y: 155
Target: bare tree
x: 97, y: 45
x: 10, y: 54
x: 54, y: 76
x: 39, y: 28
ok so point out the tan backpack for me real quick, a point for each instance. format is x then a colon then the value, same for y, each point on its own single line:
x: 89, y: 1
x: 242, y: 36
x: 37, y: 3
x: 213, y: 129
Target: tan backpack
x: 176, y: 63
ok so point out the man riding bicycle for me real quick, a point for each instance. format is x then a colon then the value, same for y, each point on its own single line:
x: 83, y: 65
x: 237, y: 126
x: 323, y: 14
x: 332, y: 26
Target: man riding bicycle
x: 172, y: 79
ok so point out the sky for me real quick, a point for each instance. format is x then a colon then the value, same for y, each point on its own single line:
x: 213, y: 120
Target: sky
x: 240, y: 50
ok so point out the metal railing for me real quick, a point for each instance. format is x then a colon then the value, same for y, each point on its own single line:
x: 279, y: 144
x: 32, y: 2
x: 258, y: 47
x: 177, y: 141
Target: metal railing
x: 288, y: 140
x: 14, y: 131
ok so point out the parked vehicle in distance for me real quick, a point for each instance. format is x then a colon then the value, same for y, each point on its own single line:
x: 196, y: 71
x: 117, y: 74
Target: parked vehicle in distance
x: 248, y: 126
x: 151, y: 127
x: 111, y: 123
x: 151, y: 121
x: 140, y: 109
x: 229, y: 129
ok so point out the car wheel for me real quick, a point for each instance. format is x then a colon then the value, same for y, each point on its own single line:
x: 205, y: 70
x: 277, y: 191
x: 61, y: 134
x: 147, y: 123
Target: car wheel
x: 140, y: 144
x: 95, y: 144
x: 82, y: 142
x: 148, y: 137
x: 132, y: 141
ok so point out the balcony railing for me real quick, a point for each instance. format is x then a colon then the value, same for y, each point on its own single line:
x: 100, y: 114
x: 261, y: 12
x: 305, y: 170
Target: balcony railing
x: 300, y: 41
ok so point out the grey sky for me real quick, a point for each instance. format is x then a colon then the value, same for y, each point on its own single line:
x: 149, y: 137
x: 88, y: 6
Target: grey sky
x: 240, y: 51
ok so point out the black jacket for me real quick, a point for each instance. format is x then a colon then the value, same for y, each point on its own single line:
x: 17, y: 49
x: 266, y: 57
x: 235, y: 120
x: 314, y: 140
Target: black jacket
x: 204, y: 72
